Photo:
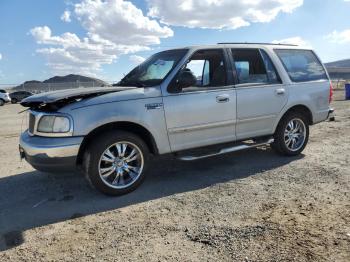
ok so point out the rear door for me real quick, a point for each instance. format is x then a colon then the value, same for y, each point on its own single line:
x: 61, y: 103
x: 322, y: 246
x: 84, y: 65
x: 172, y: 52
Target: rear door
x: 260, y: 93
x: 203, y: 114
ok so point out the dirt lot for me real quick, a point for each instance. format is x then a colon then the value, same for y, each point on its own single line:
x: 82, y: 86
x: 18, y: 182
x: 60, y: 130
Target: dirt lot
x: 247, y: 206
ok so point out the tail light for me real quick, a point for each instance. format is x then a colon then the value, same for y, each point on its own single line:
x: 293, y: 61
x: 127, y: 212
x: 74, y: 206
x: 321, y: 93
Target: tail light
x: 330, y: 92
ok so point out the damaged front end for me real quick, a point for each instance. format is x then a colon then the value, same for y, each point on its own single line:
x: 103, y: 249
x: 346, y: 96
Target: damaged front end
x: 48, y: 143
x: 53, y: 101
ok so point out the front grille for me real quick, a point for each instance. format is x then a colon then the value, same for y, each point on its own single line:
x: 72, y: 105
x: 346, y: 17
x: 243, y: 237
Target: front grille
x: 31, y: 123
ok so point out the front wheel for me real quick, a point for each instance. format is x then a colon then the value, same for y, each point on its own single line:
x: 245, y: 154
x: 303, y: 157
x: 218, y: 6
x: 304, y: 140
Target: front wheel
x: 14, y: 101
x: 292, y: 134
x: 115, y: 162
x: 2, y: 102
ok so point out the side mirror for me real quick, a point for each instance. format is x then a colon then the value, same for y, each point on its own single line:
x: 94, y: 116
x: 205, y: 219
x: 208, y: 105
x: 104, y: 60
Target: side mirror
x: 184, y: 79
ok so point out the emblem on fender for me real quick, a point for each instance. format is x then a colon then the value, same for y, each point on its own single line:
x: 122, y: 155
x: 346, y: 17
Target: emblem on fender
x: 154, y: 106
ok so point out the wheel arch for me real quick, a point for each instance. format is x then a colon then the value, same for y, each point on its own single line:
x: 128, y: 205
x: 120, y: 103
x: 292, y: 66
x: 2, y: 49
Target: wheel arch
x: 131, y: 127
x: 300, y: 108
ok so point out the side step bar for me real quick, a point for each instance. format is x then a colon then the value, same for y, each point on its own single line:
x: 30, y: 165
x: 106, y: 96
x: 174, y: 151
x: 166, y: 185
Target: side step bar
x: 228, y: 150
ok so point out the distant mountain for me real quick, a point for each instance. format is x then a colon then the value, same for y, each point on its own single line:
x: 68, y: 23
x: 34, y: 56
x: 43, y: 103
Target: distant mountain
x: 60, y: 82
x: 339, y: 69
x: 73, y: 78
x: 340, y: 63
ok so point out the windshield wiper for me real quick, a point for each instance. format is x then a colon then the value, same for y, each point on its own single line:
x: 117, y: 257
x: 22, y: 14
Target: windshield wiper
x: 140, y: 84
x: 131, y: 83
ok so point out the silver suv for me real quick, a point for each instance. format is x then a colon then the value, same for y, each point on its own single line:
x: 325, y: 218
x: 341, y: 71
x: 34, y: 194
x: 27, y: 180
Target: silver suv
x: 230, y: 95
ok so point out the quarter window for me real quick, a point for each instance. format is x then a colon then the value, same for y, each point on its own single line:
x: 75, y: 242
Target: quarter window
x: 301, y: 65
x: 254, y: 67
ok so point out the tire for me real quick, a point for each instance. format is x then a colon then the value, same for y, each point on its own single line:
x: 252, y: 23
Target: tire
x: 284, y: 143
x: 2, y: 102
x: 126, y: 174
x: 14, y: 101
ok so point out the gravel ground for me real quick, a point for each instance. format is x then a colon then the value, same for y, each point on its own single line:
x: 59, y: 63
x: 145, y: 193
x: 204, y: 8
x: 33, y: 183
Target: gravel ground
x: 246, y: 206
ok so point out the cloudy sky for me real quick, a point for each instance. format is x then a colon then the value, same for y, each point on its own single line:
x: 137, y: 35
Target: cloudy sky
x: 107, y: 38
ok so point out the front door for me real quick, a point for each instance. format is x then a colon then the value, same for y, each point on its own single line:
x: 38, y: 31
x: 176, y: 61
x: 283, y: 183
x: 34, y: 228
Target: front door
x: 205, y: 113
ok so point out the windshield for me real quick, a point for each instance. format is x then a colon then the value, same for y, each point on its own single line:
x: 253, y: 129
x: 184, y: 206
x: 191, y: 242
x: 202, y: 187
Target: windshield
x: 153, y: 71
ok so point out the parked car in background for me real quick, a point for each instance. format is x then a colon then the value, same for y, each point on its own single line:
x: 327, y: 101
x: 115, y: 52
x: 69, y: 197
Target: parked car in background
x: 18, y: 96
x: 4, y: 97
x: 230, y: 96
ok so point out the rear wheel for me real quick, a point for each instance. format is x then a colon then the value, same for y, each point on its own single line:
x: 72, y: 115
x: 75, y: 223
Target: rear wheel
x: 115, y: 163
x: 292, y: 134
x: 14, y: 100
x: 2, y: 102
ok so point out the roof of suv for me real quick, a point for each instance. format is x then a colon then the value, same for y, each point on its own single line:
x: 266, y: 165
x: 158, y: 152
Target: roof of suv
x: 248, y: 45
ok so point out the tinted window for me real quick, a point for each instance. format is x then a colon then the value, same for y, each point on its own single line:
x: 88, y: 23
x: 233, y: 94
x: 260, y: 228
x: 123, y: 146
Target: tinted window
x: 208, y: 66
x: 2, y: 91
x: 252, y: 68
x: 301, y: 65
x: 270, y: 69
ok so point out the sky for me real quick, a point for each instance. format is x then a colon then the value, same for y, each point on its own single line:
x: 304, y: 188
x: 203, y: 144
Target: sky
x: 107, y: 38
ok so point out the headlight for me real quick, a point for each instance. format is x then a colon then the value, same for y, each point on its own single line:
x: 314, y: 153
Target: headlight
x: 54, y: 124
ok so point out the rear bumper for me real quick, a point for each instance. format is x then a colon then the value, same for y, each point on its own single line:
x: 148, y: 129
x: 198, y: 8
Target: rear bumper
x: 6, y: 99
x: 48, y: 153
x: 331, y: 115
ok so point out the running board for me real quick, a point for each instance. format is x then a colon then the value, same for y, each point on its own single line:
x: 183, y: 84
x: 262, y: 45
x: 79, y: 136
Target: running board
x: 228, y: 150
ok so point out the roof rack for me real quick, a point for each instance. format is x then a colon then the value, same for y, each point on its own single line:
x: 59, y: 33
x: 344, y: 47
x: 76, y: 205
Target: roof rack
x: 246, y: 43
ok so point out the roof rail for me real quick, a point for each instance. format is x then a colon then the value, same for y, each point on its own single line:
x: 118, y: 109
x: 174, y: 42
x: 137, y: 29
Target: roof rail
x: 246, y: 43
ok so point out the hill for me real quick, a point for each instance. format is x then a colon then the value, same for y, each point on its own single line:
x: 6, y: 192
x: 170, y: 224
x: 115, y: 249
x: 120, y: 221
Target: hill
x: 339, y: 69
x: 340, y: 63
x: 60, y: 82
x: 74, y: 78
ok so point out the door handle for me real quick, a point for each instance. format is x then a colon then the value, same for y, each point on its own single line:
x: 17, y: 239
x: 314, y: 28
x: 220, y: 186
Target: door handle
x: 222, y: 98
x: 280, y: 91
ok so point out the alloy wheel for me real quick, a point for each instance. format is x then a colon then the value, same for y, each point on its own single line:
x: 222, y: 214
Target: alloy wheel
x: 295, y: 134
x: 121, y: 165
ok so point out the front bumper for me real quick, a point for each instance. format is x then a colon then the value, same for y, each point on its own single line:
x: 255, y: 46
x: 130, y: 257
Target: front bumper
x: 50, y: 154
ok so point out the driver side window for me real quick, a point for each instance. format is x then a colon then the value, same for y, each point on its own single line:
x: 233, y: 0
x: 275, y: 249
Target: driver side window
x: 208, y: 69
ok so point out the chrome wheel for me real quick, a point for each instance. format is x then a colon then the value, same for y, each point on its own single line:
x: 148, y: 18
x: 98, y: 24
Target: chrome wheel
x: 295, y: 134
x: 121, y: 165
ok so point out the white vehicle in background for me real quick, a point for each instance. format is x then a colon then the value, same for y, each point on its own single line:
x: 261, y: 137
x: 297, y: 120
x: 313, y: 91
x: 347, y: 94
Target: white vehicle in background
x: 4, y: 97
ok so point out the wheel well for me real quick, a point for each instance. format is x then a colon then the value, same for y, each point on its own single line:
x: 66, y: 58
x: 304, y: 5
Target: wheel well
x: 301, y: 109
x: 137, y: 129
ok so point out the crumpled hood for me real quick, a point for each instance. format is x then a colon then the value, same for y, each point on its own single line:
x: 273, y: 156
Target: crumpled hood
x: 63, y: 97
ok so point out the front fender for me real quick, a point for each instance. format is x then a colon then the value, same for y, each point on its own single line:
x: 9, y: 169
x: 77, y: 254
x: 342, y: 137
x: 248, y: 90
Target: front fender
x: 89, y: 118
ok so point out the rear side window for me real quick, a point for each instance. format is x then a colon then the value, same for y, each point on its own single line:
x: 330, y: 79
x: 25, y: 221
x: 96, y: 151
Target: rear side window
x: 301, y: 65
x: 253, y: 66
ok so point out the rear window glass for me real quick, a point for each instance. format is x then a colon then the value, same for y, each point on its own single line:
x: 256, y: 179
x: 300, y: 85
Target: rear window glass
x: 301, y: 65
